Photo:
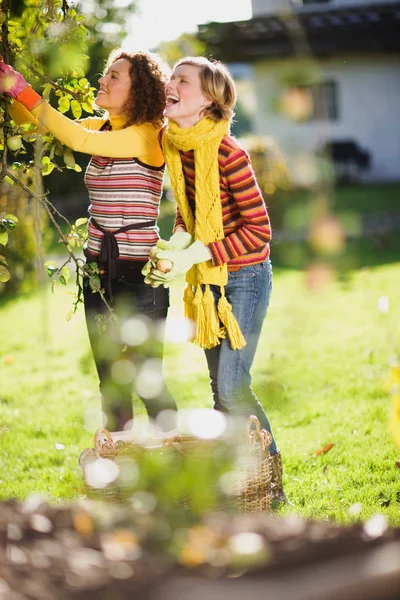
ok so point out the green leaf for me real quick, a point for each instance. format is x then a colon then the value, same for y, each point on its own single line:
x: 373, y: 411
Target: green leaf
x: 95, y: 283
x: 69, y: 158
x: 10, y: 216
x: 24, y: 127
x: 48, y: 168
x: 51, y: 270
x: 94, y: 267
x: 9, y: 224
x: 76, y: 109
x: 77, y: 168
x: 3, y: 238
x: 64, y: 105
x: 58, y: 149
x: 87, y: 106
x: 47, y: 89
x: 72, y: 239
x: 81, y: 221
x: 64, y: 275
x: 4, y: 274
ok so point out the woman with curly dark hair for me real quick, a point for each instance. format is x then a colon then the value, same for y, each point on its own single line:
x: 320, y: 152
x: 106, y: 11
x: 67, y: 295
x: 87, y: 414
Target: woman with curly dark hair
x: 124, y: 181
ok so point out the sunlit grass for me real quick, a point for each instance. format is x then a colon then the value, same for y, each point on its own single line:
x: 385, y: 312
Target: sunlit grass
x: 319, y: 372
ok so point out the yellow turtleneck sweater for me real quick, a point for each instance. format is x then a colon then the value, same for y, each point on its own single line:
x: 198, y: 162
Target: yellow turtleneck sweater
x: 135, y: 141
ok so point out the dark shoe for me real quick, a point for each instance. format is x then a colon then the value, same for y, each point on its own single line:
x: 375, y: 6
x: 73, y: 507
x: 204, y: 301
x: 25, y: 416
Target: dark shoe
x: 277, y: 491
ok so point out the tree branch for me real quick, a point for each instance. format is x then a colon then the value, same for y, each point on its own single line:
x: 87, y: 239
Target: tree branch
x: 41, y: 198
x: 46, y: 79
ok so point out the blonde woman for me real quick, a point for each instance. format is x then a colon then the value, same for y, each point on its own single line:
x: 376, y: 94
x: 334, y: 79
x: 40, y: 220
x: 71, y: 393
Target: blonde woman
x: 219, y: 203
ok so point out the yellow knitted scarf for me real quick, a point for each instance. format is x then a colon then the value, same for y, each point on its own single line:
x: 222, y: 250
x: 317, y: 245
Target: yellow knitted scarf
x: 212, y: 323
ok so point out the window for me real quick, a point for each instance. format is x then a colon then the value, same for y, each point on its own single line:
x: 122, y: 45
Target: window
x: 325, y: 101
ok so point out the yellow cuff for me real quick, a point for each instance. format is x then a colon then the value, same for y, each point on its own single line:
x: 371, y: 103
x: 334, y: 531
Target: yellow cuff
x: 29, y: 98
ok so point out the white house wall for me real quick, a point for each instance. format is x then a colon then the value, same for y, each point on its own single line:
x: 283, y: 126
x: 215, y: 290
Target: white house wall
x: 270, y: 7
x: 369, y: 111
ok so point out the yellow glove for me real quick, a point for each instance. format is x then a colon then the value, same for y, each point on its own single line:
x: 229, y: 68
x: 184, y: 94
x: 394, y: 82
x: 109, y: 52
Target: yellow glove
x: 182, y: 261
x: 178, y: 241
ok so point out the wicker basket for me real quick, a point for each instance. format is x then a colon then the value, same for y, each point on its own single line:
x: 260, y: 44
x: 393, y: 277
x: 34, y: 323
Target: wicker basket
x: 250, y: 484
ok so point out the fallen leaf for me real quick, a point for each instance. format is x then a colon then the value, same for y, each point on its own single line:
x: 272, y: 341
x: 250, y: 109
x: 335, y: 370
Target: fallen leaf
x: 325, y: 449
x: 398, y: 464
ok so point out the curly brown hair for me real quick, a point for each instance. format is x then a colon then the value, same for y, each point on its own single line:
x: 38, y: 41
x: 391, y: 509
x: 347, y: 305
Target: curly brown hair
x: 147, y: 94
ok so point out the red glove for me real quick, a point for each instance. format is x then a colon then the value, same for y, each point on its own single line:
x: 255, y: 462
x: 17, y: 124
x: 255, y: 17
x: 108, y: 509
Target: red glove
x: 11, y: 82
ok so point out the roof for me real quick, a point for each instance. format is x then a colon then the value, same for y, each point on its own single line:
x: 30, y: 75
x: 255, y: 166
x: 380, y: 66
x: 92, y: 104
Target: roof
x: 372, y: 28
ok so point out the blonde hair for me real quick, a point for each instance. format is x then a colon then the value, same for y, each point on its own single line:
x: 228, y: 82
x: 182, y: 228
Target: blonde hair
x: 217, y: 85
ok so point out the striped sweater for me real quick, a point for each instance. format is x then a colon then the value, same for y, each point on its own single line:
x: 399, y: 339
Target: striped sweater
x: 124, y: 186
x: 245, y: 218
x: 123, y: 192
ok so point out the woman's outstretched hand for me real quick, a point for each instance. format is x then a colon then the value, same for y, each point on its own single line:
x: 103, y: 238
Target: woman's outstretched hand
x: 11, y: 82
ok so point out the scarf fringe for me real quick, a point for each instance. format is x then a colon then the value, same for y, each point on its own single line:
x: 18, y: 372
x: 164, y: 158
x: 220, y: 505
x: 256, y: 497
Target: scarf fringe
x: 200, y: 308
x: 207, y: 322
x: 188, y: 297
x: 199, y: 320
x: 227, y: 317
x: 214, y: 331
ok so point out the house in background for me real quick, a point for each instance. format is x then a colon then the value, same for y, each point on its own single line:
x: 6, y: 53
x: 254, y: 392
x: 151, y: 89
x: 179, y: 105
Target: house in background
x: 336, y: 65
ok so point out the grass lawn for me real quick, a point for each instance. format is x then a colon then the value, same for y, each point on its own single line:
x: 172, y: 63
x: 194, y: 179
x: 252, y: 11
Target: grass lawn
x: 320, y: 372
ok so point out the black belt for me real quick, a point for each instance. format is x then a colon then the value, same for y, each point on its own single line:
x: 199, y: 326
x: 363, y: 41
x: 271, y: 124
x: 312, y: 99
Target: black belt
x: 109, y: 251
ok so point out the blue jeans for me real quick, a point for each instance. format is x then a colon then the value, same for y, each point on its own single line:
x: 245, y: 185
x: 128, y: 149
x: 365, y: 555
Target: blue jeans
x: 248, y: 291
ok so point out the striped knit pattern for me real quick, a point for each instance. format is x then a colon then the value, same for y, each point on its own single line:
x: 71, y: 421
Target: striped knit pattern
x: 123, y: 192
x: 245, y: 218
